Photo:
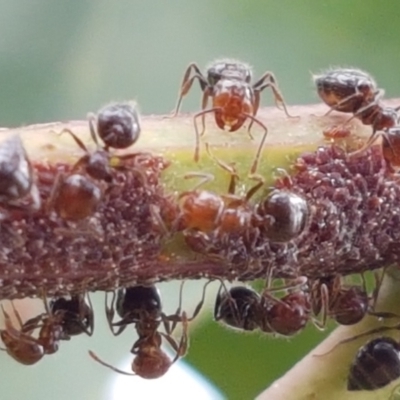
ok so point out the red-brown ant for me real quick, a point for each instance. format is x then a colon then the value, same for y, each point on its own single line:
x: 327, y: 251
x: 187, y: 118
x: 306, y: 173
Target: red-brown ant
x: 141, y: 306
x: 223, y: 214
x: 243, y: 308
x: 376, y: 364
x: 354, y: 91
x: 234, y: 98
x: 63, y: 319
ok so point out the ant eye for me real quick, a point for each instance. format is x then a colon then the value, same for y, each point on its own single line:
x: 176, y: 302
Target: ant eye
x: 118, y: 125
x: 16, y: 175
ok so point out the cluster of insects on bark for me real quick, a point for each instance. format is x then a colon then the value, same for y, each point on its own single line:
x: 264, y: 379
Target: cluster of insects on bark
x: 225, y: 226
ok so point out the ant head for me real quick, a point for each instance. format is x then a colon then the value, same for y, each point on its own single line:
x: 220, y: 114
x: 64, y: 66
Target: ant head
x: 151, y: 362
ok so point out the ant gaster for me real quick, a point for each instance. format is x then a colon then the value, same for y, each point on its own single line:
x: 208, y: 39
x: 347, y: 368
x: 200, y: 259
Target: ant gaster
x: 16, y: 173
x: 141, y: 306
x: 376, y: 364
x: 75, y: 197
x: 63, y: 319
x: 234, y: 98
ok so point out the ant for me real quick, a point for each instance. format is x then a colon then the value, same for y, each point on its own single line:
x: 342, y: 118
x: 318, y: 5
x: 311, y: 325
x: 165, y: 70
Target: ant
x: 355, y: 91
x: 243, y: 308
x: 63, y: 318
x: 207, y: 211
x: 118, y: 127
x: 376, y: 364
x: 234, y: 98
x: 141, y: 306
x: 16, y: 173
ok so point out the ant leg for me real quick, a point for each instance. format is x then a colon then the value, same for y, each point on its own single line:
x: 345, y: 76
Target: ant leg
x: 176, y: 317
x: 110, y: 315
x: 204, y: 104
x: 187, y: 83
x: 197, y: 145
x: 367, y: 145
x: 254, y: 166
x: 89, y: 331
x: 183, y: 345
x: 268, y: 80
x: 229, y: 168
x: 253, y: 190
x: 76, y: 139
x: 256, y: 106
x: 205, y: 178
x: 324, y: 292
x: 92, y: 118
x: 96, y: 358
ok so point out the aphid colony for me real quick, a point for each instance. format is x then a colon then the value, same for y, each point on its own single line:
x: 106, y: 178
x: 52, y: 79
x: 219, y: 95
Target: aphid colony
x: 241, y: 230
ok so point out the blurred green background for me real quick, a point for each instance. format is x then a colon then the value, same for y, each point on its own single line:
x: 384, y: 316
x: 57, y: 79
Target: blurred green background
x: 61, y: 59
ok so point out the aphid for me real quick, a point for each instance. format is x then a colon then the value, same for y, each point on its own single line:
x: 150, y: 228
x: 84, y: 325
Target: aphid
x: 283, y: 215
x: 391, y: 147
x: 376, y: 364
x: 141, y: 306
x: 16, y: 172
x: 74, y: 197
x: 118, y: 126
x: 234, y: 98
x: 62, y: 320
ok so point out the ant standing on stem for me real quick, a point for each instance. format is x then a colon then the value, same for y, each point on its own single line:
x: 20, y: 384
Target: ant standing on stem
x: 63, y: 318
x: 355, y: 91
x: 141, y: 306
x: 234, y: 98
x: 76, y: 197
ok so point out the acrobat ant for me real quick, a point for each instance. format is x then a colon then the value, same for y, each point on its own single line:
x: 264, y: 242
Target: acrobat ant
x: 63, y: 319
x: 16, y: 173
x: 118, y: 126
x: 234, y: 98
x: 243, y: 308
x: 141, y: 306
x: 74, y: 197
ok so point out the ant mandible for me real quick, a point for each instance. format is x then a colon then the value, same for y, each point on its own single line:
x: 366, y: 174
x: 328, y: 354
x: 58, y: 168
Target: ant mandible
x: 63, y: 318
x: 234, y: 98
x: 141, y: 306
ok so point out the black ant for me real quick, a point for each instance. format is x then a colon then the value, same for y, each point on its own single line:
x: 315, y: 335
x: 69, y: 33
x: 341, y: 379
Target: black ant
x: 376, y: 364
x: 234, y: 98
x: 63, y: 318
x: 118, y: 126
x: 141, y: 306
